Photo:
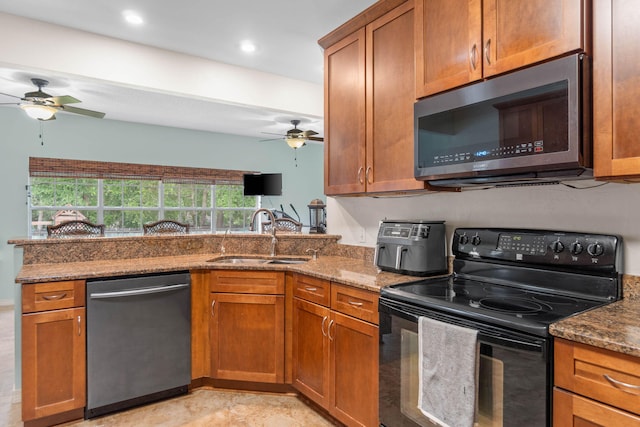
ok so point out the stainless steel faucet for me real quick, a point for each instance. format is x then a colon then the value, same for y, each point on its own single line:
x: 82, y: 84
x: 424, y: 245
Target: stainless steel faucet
x: 274, y: 239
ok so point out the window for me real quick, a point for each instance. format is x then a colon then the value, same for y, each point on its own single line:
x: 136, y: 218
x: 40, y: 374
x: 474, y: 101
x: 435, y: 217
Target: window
x: 124, y: 204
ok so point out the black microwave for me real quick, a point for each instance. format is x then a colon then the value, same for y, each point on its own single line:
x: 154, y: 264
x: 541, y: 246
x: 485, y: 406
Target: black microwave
x: 531, y: 126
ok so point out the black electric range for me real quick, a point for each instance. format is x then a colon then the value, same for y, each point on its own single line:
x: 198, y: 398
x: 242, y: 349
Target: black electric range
x: 521, y: 279
x: 509, y: 285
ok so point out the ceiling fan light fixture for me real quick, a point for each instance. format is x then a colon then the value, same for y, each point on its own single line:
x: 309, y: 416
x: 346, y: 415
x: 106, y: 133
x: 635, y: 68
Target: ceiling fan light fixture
x: 295, y: 142
x: 39, y: 112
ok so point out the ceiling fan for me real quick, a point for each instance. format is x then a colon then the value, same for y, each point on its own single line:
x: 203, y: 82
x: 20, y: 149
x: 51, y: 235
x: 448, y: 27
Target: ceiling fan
x: 42, y: 106
x: 297, y: 138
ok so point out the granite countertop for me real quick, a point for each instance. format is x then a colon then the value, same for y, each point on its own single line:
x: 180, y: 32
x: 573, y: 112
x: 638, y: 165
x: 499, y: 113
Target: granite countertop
x: 614, y: 327
x: 349, y: 271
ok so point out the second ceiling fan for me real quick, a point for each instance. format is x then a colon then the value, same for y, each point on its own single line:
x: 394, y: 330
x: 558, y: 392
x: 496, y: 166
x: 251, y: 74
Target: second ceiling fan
x: 296, y: 138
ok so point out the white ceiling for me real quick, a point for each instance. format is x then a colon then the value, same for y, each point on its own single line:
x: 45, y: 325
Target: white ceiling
x: 285, y: 32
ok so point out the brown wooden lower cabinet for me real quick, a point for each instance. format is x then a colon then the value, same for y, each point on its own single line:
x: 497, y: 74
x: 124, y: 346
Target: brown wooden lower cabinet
x: 594, y: 386
x: 354, y: 371
x: 53, y: 363
x: 311, y: 359
x: 335, y: 361
x: 247, y: 328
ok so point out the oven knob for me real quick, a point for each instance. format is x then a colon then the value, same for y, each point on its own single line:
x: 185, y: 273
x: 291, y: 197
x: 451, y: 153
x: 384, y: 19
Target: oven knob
x: 475, y: 240
x: 463, y: 240
x: 577, y: 248
x: 595, y: 249
x: 557, y: 246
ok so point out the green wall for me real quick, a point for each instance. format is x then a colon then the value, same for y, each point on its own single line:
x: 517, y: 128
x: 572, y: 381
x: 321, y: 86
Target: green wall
x: 78, y: 137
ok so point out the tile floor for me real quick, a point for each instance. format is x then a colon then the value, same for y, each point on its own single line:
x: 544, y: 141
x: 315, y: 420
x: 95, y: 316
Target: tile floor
x: 202, y: 407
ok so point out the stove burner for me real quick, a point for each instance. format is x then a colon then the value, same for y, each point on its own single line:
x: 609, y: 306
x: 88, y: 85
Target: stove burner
x: 513, y: 305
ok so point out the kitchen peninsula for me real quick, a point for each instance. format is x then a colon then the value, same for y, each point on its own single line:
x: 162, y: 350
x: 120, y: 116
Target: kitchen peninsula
x: 316, y: 284
x: 342, y: 282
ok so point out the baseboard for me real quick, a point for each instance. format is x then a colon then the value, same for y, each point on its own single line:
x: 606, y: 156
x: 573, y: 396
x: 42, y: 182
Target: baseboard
x: 6, y: 304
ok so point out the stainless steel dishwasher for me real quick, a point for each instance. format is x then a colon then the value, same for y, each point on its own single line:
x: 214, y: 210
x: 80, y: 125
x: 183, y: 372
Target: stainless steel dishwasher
x: 138, y: 340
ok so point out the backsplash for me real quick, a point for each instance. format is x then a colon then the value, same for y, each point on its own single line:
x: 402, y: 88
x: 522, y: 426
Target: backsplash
x: 53, y: 251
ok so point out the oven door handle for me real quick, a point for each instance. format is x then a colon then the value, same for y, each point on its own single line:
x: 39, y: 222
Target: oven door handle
x: 528, y: 344
x: 535, y: 346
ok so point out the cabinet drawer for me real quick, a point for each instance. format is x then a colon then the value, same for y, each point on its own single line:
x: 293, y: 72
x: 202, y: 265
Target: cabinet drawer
x: 248, y: 281
x: 609, y: 377
x: 572, y: 410
x: 312, y: 289
x: 355, y: 302
x: 52, y: 295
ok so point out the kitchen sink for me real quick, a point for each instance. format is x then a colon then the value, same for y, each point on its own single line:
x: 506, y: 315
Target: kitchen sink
x: 287, y: 261
x: 241, y: 260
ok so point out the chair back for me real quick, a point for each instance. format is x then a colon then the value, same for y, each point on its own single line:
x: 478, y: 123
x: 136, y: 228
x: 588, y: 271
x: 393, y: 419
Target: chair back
x: 165, y: 226
x: 75, y: 228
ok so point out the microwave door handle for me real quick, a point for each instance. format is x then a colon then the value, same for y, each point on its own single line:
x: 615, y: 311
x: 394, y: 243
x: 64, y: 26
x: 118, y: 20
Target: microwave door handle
x: 399, y: 251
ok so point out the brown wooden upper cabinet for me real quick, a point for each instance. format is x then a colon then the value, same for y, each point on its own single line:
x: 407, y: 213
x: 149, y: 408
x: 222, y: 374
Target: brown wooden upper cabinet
x: 461, y: 41
x: 369, y: 96
x: 616, y: 89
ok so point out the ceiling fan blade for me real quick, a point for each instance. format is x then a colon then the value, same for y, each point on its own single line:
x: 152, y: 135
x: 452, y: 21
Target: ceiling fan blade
x: 9, y: 103
x: 271, y: 133
x: 82, y: 111
x: 13, y: 96
x: 308, y: 133
x: 65, y: 99
x: 272, y: 139
x: 315, y: 138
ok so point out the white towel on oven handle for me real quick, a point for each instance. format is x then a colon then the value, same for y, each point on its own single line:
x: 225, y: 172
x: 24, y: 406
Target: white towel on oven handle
x: 448, y: 374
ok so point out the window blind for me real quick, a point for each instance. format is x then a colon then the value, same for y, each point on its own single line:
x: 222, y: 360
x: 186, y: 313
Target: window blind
x: 67, y: 168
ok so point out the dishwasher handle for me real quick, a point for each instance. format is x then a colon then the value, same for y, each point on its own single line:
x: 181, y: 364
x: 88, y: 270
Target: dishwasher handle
x: 139, y: 291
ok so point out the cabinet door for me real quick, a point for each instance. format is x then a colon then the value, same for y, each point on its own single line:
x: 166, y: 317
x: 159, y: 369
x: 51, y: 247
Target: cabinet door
x: 200, y: 348
x: 517, y: 33
x: 616, y: 88
x: 390, y: 83
x: 311, y: 351
x: 344, y: 85
x: 247, y: 337
x: 448, y: 44
x: 570, y: 410
x: 354, y: 371
x: 53, y: 362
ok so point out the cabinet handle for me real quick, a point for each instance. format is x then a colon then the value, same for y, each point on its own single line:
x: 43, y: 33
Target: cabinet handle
x: 355, y: 303
x: 213, y: 303
x: 54, y: 297
x: 324, y: 319
x: 487, y: 50
x: 473, y: 57
x: 626, y: 387
x: 79, y: 326
x: 367, y: 174
x: 310, y: 289
x: 360, y: 175
x: 329, y: 331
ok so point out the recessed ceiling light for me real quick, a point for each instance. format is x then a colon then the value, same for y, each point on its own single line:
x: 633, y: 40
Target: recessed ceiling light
x: 132, y: 17
x: 247, y: 46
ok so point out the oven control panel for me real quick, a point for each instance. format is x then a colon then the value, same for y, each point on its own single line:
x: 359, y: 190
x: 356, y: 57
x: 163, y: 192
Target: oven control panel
x: 546, y: 247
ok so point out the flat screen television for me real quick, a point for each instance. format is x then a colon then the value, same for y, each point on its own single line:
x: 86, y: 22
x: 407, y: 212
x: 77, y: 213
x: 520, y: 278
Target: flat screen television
x: 263, y: 184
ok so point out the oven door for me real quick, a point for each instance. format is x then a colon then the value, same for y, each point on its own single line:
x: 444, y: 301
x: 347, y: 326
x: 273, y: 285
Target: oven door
x: 514, y: 374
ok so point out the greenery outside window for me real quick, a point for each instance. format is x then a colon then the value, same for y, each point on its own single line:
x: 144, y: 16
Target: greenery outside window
x: 123, y: 205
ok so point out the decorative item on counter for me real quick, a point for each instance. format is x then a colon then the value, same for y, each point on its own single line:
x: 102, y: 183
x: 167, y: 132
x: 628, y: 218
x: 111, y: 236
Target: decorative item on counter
x: 317, y: 217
